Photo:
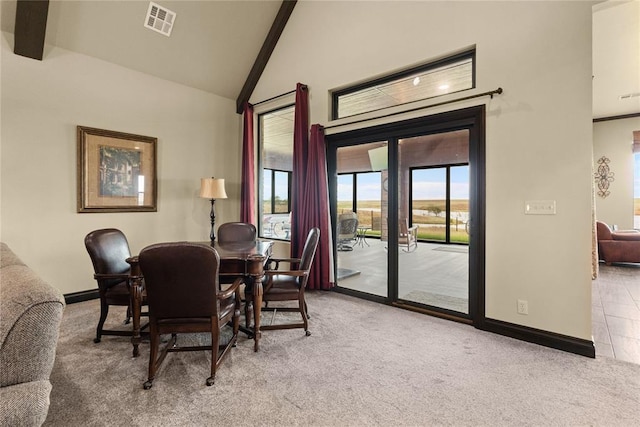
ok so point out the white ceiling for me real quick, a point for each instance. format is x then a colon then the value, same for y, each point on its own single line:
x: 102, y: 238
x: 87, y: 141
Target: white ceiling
x: 212, y: 47
x: 214, y: 43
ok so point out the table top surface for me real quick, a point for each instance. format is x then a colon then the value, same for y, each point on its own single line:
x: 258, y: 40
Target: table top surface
x: 256, y: 250
x: 242, y: 250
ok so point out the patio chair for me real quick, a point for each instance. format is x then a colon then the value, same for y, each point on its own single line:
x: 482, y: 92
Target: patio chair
x: 407, y: 236
x: 347, y: 231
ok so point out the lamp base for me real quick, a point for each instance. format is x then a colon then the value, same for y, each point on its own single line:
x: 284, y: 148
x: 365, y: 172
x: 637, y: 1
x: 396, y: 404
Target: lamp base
x: 212, y: 235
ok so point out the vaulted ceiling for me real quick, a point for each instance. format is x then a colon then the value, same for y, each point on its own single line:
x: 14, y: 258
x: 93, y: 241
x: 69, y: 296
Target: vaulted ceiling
x: 214, y: 44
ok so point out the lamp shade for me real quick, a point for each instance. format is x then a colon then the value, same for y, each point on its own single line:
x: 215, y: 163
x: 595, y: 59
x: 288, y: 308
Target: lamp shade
x: 212, y: 188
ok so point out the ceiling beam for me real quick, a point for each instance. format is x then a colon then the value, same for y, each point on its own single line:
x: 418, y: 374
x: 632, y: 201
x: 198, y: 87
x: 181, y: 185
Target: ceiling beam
x: 30, y: 29
x: 265, y: 52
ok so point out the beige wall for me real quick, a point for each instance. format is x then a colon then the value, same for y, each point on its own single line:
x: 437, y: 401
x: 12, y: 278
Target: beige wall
x: 538, y: 132
x: 44, y: 101
x: 614, y: 139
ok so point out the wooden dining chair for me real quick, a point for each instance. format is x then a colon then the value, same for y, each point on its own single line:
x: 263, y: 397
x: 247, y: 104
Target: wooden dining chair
x: 289, y: 285
x: 184, y: 298
x: 108, y: 249
x: 238, y: 232
x: 230, y: 232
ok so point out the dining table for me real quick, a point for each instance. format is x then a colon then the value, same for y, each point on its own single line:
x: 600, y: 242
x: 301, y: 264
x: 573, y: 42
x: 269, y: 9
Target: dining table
x: 237, y: 259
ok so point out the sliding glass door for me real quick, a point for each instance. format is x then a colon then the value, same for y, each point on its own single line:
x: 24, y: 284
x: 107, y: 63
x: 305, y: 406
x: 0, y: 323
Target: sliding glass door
x: 433, y: 189
x: 417, y: 194
x: 361, y: 205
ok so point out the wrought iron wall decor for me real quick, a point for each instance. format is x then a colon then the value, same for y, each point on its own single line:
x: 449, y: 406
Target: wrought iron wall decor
x: 604, y: 177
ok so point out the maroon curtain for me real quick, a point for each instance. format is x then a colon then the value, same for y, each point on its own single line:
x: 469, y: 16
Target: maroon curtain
x: 300, y: 144
x: 315, y: 210
x: 248, y: 186
x: 310, y: 193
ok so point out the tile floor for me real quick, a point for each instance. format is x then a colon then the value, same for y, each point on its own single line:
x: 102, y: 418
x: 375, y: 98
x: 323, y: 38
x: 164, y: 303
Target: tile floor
x: 616, y: 312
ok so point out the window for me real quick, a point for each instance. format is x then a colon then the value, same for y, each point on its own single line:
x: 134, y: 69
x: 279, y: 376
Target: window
x: 360, y: 192
x: 275, y: 136
x: 440, y: 203
x: 449, y: 75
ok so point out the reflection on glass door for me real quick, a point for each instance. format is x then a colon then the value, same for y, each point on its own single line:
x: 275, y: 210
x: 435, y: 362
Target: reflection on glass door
x: 433, y: 205
x: 361, y: 206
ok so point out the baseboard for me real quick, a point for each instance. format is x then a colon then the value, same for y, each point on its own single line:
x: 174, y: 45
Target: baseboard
x: 81, y: 296
x: 544, y: 338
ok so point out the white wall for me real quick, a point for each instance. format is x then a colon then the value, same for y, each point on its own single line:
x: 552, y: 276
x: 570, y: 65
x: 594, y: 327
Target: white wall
x: 44, y: 101
x: 614, y: 139
x: 538, y: 132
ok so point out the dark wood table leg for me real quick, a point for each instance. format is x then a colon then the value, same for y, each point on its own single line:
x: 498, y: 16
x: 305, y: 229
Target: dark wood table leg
x: 136, y: 299
x: 257, y: 309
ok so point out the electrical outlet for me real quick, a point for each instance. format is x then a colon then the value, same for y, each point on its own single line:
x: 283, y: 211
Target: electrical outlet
x: 523, y: 307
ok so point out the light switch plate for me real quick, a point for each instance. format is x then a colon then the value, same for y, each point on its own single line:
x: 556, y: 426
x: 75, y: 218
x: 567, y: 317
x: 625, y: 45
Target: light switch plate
x: 540, y: 207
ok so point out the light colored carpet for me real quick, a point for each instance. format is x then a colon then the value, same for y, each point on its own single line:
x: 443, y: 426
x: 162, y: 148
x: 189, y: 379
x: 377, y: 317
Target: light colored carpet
x: 365, y: 364
x: 460, y: 305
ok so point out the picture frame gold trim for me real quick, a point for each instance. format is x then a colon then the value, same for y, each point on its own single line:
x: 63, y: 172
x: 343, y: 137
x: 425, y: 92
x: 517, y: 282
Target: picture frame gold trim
x: 116, y: 171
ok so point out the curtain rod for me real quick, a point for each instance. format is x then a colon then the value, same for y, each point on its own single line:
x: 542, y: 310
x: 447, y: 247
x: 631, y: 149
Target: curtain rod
x: 275, y: 97
x: 490, y: 93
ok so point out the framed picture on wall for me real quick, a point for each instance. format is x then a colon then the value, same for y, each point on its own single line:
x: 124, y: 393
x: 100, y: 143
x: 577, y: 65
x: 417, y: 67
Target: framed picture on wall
x: 116, y: 171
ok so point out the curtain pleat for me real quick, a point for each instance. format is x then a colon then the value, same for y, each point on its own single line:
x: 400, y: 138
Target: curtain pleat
x: 300, y: 144
x: 315, y: 206
x: 248, y: 186
x: 310, y: 193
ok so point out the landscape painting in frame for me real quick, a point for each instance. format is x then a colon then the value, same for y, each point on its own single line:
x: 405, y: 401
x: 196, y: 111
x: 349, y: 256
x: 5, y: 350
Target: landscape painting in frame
x: 116, y: 171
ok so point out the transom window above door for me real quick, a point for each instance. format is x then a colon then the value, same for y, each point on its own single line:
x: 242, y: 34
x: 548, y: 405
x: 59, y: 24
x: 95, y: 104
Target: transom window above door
x: 452, y: 74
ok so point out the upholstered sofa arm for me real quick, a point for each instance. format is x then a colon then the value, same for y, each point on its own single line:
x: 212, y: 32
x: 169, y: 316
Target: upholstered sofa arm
x: 25, y: 404
x: 31, y: 312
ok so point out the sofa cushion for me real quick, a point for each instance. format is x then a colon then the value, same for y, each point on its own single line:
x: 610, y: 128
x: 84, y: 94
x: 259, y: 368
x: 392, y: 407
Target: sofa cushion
x: 626, y: 235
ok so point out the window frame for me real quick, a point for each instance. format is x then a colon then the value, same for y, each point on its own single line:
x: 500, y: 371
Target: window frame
x: 336, y: 94
x: 273, y: 189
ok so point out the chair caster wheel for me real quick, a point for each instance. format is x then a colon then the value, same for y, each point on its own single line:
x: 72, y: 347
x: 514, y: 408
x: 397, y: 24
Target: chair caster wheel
x: 147, y: 385
x: 96, y: 340
x: 307, y: 333
x: 210, y: 381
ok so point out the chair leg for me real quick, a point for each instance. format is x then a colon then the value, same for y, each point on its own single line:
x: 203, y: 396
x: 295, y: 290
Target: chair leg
x: 156, y: 360
x: 215, y: 343
x: 302, y: 304
x: 104, y: 310
x: 153, y: 354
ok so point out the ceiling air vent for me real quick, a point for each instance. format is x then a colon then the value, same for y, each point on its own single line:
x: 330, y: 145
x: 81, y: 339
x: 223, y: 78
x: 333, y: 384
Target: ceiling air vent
x: 159, y: 19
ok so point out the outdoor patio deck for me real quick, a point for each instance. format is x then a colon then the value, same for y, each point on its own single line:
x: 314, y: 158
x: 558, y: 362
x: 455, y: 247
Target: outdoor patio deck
x: 435, y: 273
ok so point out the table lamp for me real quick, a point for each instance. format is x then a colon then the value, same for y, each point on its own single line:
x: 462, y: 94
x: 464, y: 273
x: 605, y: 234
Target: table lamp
x: 211, y: 188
